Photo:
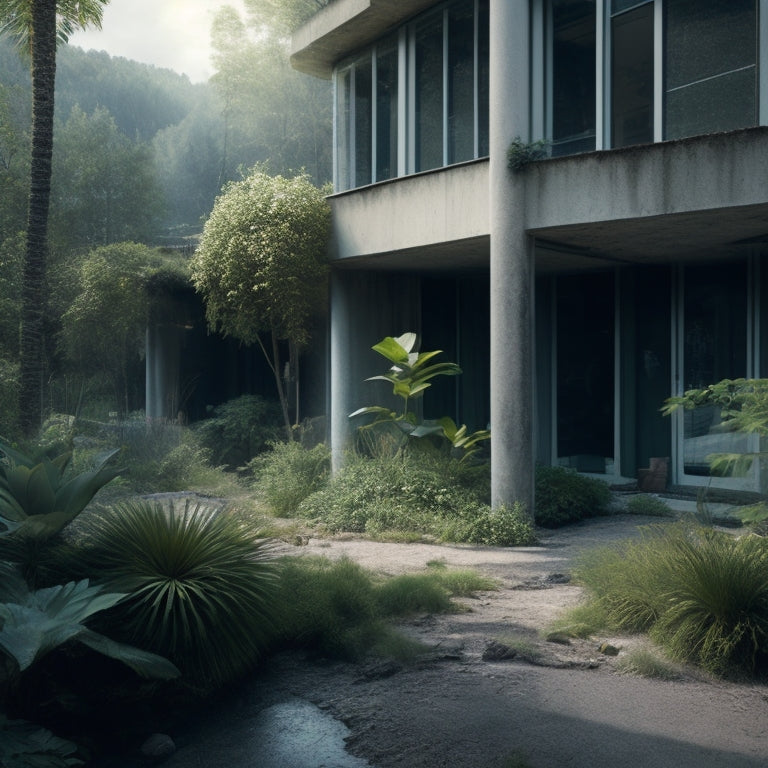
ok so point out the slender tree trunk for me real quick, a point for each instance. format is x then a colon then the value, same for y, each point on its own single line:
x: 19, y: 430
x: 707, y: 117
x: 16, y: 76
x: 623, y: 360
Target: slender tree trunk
x: 280, y: 388
x: 274, y: 364
x: 43, y: 45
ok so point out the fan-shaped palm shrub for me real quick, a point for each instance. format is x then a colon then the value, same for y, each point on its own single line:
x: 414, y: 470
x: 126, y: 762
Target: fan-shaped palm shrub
x: 199, y: 584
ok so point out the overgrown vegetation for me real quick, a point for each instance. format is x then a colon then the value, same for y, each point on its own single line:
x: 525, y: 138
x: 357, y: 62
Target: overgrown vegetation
x: 339, y: 610
x: 411, y: 375
x: 199, y: 585
x: 651, y: 506
x: 240, y: 429
x: 418, y: 492
x: 286, y: 474
x: 700, y: 593
x: 563, y: 496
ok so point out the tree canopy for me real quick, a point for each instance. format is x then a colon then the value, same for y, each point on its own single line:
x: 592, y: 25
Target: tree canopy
x: 261, y: 264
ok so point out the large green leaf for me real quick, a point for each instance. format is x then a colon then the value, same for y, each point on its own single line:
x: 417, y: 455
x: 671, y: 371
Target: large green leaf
x: 49, y: 617
x: 144, y: 663
x: 10, y: 508
x: 393, y: 349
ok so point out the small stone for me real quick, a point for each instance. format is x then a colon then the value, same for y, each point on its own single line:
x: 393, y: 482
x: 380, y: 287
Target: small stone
x: 498, y: 652
x: 158, y: 747
x: 608, y: 650
x: 558, y: 637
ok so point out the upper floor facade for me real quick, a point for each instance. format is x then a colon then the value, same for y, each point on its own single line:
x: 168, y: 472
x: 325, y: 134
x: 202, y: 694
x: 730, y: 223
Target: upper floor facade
x: 411, y: 78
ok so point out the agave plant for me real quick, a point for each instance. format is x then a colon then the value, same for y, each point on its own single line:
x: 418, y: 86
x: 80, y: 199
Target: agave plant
x: 199, y: 585
x: 37, y: 498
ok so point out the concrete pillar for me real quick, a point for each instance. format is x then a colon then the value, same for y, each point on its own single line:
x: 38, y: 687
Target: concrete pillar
x: 342, y: 368
x: 512, y: 309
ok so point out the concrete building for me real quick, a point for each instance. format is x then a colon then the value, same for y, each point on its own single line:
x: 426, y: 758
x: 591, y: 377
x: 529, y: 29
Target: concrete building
x: 582, y: 290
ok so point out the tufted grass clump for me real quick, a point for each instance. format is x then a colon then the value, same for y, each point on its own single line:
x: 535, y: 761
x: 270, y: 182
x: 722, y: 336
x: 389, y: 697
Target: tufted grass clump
x: 287, y: 473
x: 338, y: 609
x: 701, y: 594
x: 652, y: 506
x: 563, y: 496
x: 643, y: 662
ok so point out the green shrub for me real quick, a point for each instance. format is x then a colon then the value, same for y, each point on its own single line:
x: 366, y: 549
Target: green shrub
x: 416, y: 492
x: 200, y: 585
x: 701, y: 593
x: 652, y: 506
x: 563, y: 496
x: 241, y: 428
x: 288, y: 473
x: 500, y: 527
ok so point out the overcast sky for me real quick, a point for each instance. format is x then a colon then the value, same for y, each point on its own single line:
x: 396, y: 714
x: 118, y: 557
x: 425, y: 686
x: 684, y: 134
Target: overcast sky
x: 167, y: 33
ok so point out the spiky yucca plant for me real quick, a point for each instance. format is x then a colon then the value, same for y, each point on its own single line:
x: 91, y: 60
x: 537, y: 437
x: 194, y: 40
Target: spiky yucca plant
x: 199, y: 583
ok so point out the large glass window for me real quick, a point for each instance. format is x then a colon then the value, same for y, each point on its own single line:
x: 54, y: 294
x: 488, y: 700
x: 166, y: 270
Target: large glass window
x: 585, y: 372
x: 362, y: 126
x: 572, y: 76
x: 435, y: 71
x: 624, y: 72
x: 428, y: 96
x: 710, y: 77
x: 714, y: 348
x: 461, y: 84
x: 632, y: 76
x: 386, y: 111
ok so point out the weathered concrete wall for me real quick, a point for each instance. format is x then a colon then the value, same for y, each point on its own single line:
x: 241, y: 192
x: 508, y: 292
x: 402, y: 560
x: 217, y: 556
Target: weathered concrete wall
x: 440, y: 206
x: 702, y: 173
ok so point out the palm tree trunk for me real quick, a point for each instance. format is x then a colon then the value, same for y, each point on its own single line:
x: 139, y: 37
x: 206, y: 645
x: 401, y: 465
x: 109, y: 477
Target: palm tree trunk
x: 43, y: 45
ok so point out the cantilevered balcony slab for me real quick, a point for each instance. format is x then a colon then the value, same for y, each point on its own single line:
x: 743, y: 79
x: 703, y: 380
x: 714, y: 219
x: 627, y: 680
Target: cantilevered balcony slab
x: 428, y: 221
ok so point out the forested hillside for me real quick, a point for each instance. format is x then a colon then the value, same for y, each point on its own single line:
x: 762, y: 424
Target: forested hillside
x: 186, y: 139
x: 140, y: 154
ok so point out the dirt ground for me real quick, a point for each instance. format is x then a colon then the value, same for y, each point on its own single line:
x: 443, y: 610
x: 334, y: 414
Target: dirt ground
x: 552, y: 705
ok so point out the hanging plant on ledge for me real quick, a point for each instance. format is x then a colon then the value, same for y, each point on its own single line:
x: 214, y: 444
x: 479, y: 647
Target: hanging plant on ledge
x: 520, y: 153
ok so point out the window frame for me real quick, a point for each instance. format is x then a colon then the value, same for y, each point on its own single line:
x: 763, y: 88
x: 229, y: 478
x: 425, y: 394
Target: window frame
x: 345, y: 157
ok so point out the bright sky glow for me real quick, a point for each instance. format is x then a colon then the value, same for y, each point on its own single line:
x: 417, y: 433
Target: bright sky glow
x: 174, y: 34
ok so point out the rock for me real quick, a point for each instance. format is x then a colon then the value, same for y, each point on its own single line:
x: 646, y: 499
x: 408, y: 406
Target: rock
x: 158, y: 747
x: 608, y: 650
x: 498, y: 652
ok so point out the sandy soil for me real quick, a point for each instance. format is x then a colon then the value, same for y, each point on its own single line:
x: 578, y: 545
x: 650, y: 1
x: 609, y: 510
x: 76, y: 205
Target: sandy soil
x: 554, y: 705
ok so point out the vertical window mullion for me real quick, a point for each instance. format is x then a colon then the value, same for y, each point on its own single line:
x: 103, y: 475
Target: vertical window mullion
x: 446, y: 95
x: 335, y: 129
x: 402, y: 102
x: 658, y: 71
x: 602, y: 75
x: 411, y: 151
x: 475, y: 82
x: 762, y: 64
x: 539, y: 86
x: 374, y: 113
x: 351, y: 126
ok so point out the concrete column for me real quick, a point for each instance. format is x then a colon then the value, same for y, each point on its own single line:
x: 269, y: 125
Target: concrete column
x: 342, y: 368
x: 512, y: 310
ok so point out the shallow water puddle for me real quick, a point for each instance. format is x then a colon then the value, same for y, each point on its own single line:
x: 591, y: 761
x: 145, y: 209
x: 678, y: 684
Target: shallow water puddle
x: 297, y: 734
